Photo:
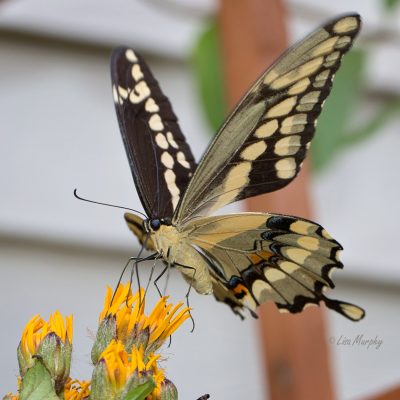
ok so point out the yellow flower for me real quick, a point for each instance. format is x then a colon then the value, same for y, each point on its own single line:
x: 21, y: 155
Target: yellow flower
x: 119, y: 371
x: 49, y: 343
x: 37, y: 329
x: 131, y: 322
x: 121, y: 364
x: 10, y: 396
x: 76, y: 390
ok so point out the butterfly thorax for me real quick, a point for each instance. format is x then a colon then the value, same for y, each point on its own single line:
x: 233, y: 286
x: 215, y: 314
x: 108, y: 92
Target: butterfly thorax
x: 165, y: 236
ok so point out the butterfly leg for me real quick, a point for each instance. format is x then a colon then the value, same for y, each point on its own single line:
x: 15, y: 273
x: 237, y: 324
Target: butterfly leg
x: 188, y: 292
x: 137, y: 260
x: 159, y: 277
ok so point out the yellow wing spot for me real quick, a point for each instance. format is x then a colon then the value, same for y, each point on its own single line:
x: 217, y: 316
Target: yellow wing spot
x: 289, y: 267
x: 282, y: 108
x: 321, y: 78
x: 155, y: 123
x: 290, y: 129
x: 309, y: 243
x: 267, y: 129
x: 236, y: 179
x: 151, y: 106
x: 288, y: 145
x: 324, y: 47
x: 308, y: 101
x: 326, y: 235
x: 167, y: 160
x: 170, y: 178
x: 161, y: 141
x: 310, y: 98
x: 171, y: 140
x: 303, y: 227
x: 131, y: 56
x: 338, y: 255
x: 346, y: 25
x: 261, y: 290
x: 182, y: 159
x: 270, y: 76
x: 343, y: 42
x: 136, y: 72
x: 122, y: 92
x: 299, y: 87
x: 274, y: 275
x: 294, y: 124
x: 115, y: 94
x: 139, y: 93
x: 352, y: 311
x: 331, y: 59
x: 253, y: 151
x: 296, y: 255
x: 298, y: 73
x: 286, y: 168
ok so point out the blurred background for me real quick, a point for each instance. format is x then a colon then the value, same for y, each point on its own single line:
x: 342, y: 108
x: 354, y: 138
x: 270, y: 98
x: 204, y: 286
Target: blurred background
x: 59, y: 132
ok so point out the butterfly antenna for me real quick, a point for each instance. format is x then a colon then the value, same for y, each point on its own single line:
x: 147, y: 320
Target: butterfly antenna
x: 107, y: 204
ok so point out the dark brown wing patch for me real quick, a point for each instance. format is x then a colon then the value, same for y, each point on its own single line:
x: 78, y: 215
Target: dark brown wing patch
x: 160, y: 159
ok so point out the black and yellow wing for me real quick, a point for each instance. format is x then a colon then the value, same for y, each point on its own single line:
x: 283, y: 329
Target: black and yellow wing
x: 160, y: 159
x: 259, y: 257
x: 261, y: 146
x: 250, y: 258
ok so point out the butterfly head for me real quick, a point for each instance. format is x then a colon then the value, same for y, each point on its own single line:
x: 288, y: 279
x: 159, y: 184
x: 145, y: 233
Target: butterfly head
x: 154, y: 224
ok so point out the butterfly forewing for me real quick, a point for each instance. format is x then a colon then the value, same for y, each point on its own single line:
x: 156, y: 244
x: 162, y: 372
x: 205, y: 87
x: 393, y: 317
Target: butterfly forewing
x: 263, y: 143
x: 160, y: 159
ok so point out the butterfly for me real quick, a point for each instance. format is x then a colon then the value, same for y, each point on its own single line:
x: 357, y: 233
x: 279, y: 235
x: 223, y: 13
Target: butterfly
x: 244, y: 259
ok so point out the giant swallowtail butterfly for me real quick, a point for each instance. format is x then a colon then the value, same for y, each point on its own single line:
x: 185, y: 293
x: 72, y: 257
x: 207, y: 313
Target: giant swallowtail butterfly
x: 244, y: 259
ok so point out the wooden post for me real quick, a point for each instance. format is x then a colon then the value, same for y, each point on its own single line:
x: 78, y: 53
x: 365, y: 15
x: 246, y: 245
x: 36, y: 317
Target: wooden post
x: 296, y: 355
x: 391, y: 394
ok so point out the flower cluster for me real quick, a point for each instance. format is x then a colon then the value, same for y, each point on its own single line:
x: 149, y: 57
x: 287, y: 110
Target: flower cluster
x: 124, y: 352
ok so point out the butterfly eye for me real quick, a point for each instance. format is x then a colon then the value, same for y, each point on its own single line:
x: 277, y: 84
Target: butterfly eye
x: 155, y: 224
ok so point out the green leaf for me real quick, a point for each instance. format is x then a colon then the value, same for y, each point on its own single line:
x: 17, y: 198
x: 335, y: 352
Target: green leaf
x: 37, y: 384
x: 338, y: 109
x: 207, y: 67
x: 140, y: 392
x: 390, y: 4
x: 372, y: 126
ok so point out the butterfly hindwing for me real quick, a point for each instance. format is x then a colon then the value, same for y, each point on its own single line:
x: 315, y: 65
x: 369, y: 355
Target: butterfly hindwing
x: 160, y: 159
x: 263, y: 143
x: 256, y: 257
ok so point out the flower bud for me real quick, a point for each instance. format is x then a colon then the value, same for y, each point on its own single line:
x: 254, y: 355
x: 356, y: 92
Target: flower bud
x: 168, y: 391
x: 106, y: 332
x: 102, y: 387
x: 56, y: 356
